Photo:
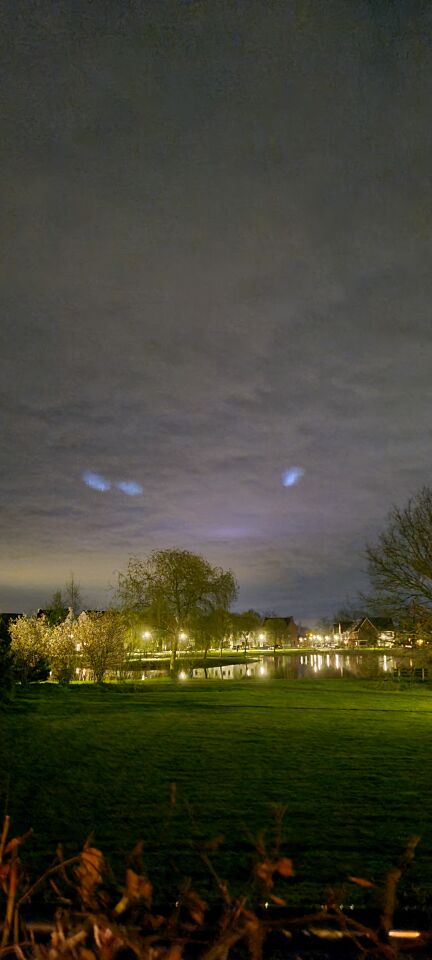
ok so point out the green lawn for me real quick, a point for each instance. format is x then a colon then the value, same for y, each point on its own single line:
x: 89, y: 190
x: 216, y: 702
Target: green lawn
x: 350, y: 759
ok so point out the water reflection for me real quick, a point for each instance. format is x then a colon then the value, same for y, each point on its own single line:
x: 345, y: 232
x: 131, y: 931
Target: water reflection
x: 302, y: 666
x: 322, y: 665
x: 234, y: 671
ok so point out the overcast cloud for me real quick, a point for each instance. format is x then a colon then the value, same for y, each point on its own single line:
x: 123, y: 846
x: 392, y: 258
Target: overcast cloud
x: 216, y: 267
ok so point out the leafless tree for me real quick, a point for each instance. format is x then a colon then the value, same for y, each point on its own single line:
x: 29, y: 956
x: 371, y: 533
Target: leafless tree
x: 400, y: 564
x: 68, y: 598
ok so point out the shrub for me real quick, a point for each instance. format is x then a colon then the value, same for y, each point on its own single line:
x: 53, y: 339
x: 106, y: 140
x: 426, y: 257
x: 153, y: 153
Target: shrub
x: 102, y: 920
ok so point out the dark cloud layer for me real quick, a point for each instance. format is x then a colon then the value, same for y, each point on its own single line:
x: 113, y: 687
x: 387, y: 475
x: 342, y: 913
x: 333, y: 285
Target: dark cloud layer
x: 216, y: 266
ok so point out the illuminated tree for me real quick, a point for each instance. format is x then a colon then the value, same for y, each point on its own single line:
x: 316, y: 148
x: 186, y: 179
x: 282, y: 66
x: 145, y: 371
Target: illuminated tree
x: 30, y: 647
x: 63, y: 654
x: 400, y: 566
x: 101, y: 643
x: 244, y: 626
x: 174, y: 588
x: 140, y: 635
x: 275, y: 629
x: 210, y: 629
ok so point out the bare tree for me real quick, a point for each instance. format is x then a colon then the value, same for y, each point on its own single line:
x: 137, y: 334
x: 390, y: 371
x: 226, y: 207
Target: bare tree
x: 68, y: 598
x: 72, y: 595
x: 400, y: 565
x: 173, y: 587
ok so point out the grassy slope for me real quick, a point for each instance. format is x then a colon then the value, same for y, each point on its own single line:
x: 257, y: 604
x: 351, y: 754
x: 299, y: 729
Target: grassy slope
x: 350, y: 759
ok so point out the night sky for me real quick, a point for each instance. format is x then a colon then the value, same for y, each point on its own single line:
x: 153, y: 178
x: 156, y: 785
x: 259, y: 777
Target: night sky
x: 216, y: 275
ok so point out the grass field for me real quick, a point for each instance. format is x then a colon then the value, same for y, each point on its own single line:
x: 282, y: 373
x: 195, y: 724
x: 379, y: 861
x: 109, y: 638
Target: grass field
x: 351, y: 760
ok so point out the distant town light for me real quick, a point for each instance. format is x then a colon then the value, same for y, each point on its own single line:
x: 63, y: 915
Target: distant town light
x: 405, y: 934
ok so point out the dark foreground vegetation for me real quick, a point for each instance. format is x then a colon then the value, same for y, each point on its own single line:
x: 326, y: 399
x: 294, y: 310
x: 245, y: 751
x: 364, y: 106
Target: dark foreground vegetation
x: 95, y: 916
x: 349, y: 760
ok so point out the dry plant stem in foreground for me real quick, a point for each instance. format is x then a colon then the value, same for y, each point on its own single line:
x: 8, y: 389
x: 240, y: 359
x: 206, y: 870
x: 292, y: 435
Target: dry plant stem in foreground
x: 95, y: 923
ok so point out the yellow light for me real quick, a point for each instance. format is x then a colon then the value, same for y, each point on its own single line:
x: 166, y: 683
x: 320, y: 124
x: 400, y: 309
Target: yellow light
x: 262, y: 671
x: 405, y: 934
x: 182, y: 636
x: 261, y: 636
x: 146, y: 634
x: 182, y: 675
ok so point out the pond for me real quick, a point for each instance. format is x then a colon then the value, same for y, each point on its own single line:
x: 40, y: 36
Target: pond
x: 307, y: 665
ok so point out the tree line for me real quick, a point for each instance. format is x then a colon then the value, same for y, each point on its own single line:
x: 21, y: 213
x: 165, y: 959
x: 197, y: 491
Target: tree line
x: 171, y: 597
x: 176, y: 593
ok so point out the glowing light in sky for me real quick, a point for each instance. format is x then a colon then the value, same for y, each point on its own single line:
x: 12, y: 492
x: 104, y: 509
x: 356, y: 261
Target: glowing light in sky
x: 96, y: 481
x: 292, y: 476
x: 130, y: 487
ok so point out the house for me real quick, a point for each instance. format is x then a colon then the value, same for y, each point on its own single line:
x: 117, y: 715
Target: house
x: 365, y: 632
